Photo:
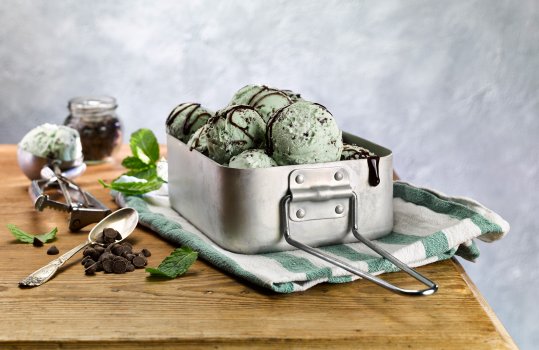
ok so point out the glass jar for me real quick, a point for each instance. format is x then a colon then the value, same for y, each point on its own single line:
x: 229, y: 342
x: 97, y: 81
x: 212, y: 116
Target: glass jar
x: 99, y: 127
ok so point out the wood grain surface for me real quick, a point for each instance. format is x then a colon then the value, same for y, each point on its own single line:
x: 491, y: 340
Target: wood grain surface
x: 209, y: 308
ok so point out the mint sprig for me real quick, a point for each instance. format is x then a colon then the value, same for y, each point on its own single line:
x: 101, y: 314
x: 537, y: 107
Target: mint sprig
x: 134, y: 188
x: 176, y: 264
x: 142, y: 164
x: 26, y: 237
x: 144, y: 146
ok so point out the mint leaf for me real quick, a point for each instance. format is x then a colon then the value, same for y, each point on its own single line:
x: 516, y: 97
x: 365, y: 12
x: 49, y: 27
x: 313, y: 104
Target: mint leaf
x: 134, y: 188
x: 176, y: 264
x: 144, y: 146
x: 29, y: 238
x: 133, y: 163
x: 49, y: 236
x: 142, y: 165
x: 158, y: 273
x: 146, y: 174
x: 20, y: 234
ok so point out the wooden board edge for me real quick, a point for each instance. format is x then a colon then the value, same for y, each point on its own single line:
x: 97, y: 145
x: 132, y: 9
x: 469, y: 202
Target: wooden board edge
x: 485, y: 305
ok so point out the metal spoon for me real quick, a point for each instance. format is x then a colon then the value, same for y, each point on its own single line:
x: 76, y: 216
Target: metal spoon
x: 123, y: 220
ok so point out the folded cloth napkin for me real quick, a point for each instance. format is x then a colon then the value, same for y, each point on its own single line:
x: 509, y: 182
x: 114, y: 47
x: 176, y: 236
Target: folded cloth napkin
x: 428, y: 227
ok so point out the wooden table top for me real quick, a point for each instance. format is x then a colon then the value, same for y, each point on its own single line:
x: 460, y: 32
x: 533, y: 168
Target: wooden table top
x: 207, y: 307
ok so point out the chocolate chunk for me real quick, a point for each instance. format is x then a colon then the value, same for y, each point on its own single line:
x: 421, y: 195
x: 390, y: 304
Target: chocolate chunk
x: 106, y: 255
x: 117, y: 249
x: 98, y: 266
x: 100, y: 238
x: 146, y: 252
x: 107, y: 265
x: 139, y: 261
x: 95, y: 255
x: 118, y: 236
x: 85, y: 259
x: 37, y: 242
x: 128, y: 248
x: 89, y: 252
x: 130, y: 256
x: 119, y: 266
x: 99, y: 249
x: 110, y: 235
x: 130, y: 267
x: 110, y: 232
x: 119, y: 258
x: 90, y: 270
x: 89, y: 263
x: 53, y: 250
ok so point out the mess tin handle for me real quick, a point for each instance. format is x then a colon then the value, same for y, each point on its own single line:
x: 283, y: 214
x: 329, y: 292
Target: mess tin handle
x: 285, y: 227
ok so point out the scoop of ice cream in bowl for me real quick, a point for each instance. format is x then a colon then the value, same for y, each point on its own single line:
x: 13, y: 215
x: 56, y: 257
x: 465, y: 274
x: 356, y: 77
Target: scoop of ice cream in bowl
x: 50, y: 145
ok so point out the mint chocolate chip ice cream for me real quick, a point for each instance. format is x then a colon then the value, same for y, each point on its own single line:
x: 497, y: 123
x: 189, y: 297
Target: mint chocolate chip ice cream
x: 265, y: 100
x: 233, y: 130
x: 246, y: 93
x: 303, y: 133
x: 199, y: 140
x: 185, y: 119
x: 53, y: 142
x: 350, y: 152
x: 253, y: 158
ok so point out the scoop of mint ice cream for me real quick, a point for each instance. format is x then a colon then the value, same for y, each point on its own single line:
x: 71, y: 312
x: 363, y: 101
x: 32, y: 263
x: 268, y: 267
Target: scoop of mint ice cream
x: 53, y: 142
x: 234, y: 130
x: 355, y: 152
x: 199, y: 140
x: 185, y: 119
x: 303, y: 133
x: 269, y: 102
x: 253, y: 158
x: 265, y: 100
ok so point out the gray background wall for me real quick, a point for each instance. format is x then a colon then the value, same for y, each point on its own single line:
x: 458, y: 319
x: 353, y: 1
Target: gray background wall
x: 450, y: 87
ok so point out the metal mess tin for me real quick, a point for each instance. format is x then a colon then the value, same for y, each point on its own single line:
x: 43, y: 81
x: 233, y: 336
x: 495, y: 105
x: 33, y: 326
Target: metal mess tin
x: 253, y: 211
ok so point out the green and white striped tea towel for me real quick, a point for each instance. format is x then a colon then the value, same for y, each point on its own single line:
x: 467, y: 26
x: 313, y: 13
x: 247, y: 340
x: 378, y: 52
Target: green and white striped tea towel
x: 428, y: 227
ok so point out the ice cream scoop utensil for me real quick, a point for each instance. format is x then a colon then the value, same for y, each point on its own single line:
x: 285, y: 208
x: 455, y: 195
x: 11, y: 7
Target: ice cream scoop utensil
x: 84, y: 209
x: 124, y: 221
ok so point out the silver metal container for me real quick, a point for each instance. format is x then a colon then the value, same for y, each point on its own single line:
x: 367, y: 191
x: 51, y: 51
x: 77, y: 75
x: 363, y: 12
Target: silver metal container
x: 239, y: 208
x: 281, y: 208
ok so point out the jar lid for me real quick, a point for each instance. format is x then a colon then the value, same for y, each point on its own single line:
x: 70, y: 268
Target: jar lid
x: 92, y: 104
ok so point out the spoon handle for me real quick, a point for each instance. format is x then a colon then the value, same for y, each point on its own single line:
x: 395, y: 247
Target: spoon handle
x: 43, y: 274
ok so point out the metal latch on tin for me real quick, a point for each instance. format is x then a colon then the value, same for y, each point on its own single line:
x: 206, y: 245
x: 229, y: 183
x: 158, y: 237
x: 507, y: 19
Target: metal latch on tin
x: 321, y: 193
x: 325, y: 193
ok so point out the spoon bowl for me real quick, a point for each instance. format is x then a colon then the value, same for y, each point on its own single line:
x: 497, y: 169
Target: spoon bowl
x: 123, y: 220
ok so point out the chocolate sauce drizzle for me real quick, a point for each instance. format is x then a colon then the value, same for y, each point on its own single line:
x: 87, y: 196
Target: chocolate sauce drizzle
x: 196, y: 141
x: 374, y: 172
x: 294, y: 97
x: 176, y: 111
x: 227, y: 115
x: 254, y: 102
x: 190, y: 118
x: 269, y: 130
x: 263, y: 88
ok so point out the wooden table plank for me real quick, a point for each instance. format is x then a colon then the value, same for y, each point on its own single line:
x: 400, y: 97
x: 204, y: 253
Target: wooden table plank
x: 208, y: 307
